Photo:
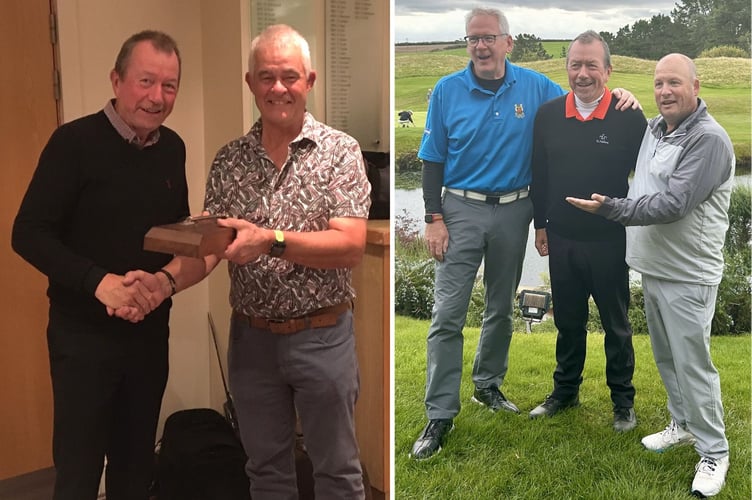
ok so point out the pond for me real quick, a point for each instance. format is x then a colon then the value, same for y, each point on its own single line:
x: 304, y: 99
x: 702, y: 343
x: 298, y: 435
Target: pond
x: 409, y: 203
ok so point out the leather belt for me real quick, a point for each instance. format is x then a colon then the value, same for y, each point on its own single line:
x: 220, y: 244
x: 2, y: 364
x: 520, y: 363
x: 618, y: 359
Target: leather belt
x: 499, y: 199
x: 326, y: 316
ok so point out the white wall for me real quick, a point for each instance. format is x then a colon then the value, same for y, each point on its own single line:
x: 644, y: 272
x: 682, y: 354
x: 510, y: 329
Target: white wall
x: 209, y: 111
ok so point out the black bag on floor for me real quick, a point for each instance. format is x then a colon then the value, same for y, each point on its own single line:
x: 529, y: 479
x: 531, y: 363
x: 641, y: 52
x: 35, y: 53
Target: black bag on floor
x: 200, y: 458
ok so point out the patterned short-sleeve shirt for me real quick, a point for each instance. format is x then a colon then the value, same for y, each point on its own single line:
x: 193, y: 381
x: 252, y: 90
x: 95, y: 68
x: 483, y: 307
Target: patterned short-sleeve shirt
x: 323, y: 178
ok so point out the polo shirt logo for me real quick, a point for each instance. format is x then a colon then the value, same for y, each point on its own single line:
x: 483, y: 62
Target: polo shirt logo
x: 602, y: 139
x: 519, y: 112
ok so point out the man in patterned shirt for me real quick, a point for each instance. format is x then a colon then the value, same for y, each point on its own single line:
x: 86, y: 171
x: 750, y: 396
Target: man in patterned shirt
x: 296, y: 192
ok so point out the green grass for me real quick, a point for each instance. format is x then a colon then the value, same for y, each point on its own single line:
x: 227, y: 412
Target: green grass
x: 725, y: 86
x: 575, y: 455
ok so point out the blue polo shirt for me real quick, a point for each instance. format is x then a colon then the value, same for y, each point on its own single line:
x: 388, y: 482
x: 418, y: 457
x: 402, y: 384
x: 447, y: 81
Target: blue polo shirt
x: 485, y: 140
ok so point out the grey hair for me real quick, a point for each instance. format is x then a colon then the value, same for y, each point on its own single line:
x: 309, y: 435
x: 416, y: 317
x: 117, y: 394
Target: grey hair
x: 488, y: 11
x: 281, y: 35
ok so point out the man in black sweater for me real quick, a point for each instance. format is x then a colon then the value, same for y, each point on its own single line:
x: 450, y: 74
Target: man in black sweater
x: 582, y: 145
x: 101, y: 182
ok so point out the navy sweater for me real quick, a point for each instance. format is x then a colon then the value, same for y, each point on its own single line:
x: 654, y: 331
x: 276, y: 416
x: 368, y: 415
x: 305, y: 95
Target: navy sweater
x: 574, y: 158
x: 90, y: 202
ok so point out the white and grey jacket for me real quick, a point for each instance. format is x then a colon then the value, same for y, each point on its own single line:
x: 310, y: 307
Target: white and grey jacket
x: 677, y: 205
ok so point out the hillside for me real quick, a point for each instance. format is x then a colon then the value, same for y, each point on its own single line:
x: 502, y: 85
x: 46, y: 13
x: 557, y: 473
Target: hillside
x: 724, y: 81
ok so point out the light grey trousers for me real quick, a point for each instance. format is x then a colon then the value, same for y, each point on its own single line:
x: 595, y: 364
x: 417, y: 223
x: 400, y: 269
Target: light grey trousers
x: 679, y: 316
x: 313, y: 372
x: 478, y: 232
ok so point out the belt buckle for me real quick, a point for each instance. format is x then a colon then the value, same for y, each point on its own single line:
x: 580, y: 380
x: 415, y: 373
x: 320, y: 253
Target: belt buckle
x: 492, y: 200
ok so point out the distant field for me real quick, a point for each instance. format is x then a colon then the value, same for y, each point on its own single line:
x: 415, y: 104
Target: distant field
x: 553, y: 47
x: 725, y: 86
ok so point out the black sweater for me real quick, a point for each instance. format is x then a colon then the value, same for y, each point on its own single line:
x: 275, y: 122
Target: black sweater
x: 575, y: 158
x: 90, y: 202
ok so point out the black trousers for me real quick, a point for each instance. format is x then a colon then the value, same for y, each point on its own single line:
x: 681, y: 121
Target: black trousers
x: 107, y: 387
x: 580, y: 269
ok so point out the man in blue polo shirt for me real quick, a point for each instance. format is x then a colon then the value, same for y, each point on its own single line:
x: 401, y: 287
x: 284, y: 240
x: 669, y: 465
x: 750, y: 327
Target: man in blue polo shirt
x: 477, y: 145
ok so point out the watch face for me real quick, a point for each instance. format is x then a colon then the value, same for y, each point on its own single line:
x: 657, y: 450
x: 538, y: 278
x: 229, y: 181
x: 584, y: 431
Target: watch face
x: 278, y: 248
x: 429, y: 218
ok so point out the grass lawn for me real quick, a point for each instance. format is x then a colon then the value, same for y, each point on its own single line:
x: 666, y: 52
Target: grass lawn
x: 574, y: 455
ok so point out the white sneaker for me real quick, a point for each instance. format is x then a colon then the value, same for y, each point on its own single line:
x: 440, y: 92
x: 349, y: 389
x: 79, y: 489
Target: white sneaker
x: 710, y: 474
x: 672, y: 435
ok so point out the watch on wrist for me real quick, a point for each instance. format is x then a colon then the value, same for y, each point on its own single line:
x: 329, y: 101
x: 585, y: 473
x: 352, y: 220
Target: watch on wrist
x: 433, y: 218
x: 279, y: 245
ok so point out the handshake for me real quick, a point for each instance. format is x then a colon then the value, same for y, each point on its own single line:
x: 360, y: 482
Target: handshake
x: 133, y: 296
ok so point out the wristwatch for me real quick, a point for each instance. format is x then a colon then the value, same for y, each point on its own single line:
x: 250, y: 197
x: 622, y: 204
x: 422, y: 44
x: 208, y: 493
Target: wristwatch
x: 433, y: 218
x: 279, y: 245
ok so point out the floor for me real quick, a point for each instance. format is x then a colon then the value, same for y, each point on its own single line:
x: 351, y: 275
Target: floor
x: 38, y: 486
x: 33, y: 486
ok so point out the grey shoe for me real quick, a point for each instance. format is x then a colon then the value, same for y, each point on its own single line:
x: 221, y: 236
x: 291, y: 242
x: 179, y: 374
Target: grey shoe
x: 494, y: 399
x: 551, y: 406
x: 432, y: 438
x: 624, y: 419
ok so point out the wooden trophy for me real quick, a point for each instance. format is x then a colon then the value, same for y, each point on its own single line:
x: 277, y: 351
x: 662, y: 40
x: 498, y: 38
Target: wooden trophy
x: 194, y: 237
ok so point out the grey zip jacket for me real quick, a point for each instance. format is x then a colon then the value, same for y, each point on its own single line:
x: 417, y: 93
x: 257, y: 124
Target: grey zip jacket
x: 677, y: 206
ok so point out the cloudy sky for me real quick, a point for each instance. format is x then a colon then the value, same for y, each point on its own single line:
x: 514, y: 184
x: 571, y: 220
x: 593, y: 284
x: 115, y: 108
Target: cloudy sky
x: 444, y: 20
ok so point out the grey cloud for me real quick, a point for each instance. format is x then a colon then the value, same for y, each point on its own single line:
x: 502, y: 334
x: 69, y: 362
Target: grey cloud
x: 409, y: 7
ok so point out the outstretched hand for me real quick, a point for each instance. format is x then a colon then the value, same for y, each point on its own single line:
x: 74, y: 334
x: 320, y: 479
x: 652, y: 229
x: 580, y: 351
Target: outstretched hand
x: 592, y: 205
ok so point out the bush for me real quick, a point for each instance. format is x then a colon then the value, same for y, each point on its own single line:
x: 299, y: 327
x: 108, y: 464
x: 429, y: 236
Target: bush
x: 409, y: 161
x: 733, y: 306
x: 724, y: 51
x: 414, y: 278
x: 414, y: 275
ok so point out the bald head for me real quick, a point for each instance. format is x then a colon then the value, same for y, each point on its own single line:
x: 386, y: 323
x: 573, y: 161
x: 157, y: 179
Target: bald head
x: 678, y: 61
x: 676, y: 87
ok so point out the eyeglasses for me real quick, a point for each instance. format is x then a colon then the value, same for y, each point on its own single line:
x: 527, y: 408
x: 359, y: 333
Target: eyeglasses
x: 473, y: 40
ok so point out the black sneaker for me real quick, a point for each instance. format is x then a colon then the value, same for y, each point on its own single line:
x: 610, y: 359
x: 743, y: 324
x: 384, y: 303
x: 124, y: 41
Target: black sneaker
x: 551, y: 406
x: 624, y: 419
x: 432, y: 438
x: 493, y: 398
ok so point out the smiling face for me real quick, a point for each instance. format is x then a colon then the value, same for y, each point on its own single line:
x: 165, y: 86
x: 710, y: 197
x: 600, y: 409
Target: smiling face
x: 145, y: 93
x: 280, y: 85
x: 488, y: 60
x: 675, y: 88
x: 587, y: 70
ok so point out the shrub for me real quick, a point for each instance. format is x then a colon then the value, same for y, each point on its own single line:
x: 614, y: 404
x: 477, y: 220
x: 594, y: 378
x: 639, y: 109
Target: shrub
x: 409, y: 161
x: 724, y: 51
x: 413, y: 288
x: 733, y: 306
x: 414, y: 278
x: 413, y: 270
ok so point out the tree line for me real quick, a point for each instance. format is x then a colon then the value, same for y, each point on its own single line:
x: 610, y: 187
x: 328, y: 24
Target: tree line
x: 694, y: 28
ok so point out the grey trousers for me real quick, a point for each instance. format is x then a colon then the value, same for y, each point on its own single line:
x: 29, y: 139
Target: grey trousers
x: 478, y: 232
x: 313, y: 372
x: 679, y: 317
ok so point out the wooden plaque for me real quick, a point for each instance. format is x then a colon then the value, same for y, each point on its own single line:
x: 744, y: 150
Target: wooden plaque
x: 190, y: 239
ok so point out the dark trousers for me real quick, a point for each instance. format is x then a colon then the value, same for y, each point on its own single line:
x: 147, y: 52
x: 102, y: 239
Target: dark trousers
x: 580, y: 269
x: 107, y: 388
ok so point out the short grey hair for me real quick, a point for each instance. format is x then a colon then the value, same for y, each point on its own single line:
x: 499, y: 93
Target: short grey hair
x: 481, y: 11
x: 281, y: 35
x: 589, y: 37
